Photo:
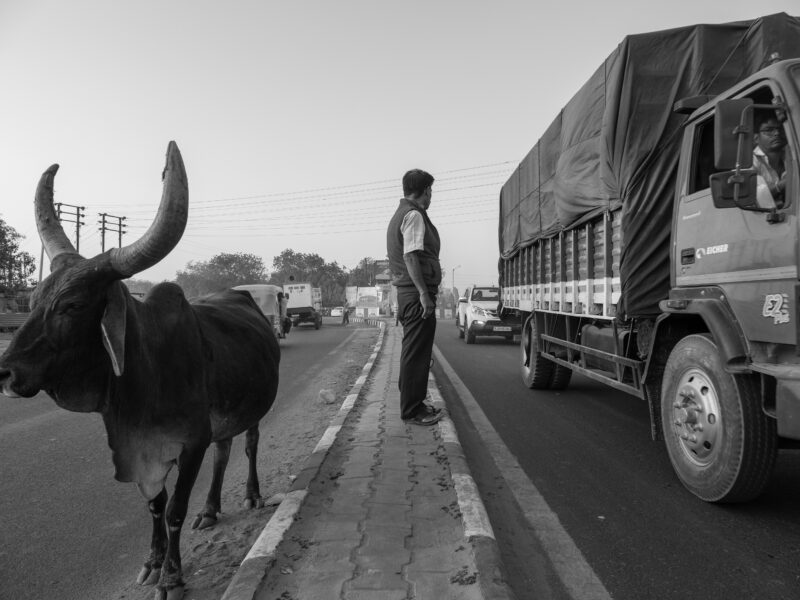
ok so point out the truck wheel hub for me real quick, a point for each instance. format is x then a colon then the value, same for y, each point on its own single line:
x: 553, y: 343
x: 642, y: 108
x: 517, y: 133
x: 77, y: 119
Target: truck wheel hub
x: 695, y: 418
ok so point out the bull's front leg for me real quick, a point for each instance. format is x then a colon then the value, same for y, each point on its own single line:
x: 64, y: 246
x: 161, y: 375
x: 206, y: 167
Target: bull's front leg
x: 158, y: 544
x: 253, y: 495
x: 208, y: 516
x: 170, y: 584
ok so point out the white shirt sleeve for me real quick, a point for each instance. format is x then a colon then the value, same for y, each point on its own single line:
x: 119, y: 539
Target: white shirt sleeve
x: 413, y: 231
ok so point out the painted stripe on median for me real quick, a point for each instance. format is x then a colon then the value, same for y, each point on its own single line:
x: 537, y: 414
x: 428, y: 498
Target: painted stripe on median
x: 280, y: 521
x: 327, y: 439
x: 476, y: 521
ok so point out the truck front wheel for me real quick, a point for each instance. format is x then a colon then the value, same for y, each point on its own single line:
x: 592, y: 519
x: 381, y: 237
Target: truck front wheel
x: 537, y: 371
x: 720, y: 442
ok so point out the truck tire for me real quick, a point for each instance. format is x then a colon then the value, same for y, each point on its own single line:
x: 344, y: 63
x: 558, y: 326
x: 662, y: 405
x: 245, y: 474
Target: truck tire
x: 561, y: 377
x: 721, y: 443
x: 537, y: 372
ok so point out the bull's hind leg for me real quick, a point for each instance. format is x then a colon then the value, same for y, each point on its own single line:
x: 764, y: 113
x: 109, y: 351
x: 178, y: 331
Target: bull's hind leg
x: 208, y: 516
x: 253, y: 495
x: 158, y: 545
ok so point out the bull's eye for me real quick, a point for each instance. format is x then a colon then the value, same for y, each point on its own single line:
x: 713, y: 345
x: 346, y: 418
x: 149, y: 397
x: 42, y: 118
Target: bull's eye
x: 69, y: 307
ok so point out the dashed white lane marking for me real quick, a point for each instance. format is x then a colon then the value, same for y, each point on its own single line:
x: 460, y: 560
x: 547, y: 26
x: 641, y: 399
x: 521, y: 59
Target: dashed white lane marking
x: 344, y: 343
x: 578, y: 577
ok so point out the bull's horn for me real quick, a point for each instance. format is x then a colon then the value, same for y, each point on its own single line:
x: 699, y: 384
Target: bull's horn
x: 167, y: 228
x: 54, y: 240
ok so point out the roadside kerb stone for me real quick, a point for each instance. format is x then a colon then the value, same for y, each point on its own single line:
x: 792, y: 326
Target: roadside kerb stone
x: 256, y: 564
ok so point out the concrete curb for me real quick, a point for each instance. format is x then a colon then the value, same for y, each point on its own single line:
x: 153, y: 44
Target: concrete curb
x: 244, y: 584
x: 477, y: 528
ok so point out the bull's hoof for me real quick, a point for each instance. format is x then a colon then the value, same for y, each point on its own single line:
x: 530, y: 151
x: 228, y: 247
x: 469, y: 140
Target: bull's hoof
x: 204, y: 521
x: 148, y: 575
x: 250, y: 503
x: 175, y: 593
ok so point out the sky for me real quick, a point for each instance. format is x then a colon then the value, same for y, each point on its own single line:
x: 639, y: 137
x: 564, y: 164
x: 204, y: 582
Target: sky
x: 297, y: 119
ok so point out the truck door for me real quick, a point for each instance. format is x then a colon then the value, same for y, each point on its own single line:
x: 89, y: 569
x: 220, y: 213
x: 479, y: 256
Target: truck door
x: 754, y: 261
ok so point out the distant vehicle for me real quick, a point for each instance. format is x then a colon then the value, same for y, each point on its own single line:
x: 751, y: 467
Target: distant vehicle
x: 304, y: 304
x: 337, y: 311
x: 477, y: 315
x: 266, y: 296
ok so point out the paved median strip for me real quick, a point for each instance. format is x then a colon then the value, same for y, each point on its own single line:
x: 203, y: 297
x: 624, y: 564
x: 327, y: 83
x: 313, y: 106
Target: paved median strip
x: 262, y: 554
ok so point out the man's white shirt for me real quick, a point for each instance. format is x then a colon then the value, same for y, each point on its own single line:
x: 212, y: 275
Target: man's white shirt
x: 413, y: 230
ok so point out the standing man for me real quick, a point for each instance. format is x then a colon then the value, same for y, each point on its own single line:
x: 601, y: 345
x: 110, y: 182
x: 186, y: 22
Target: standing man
x: 412, y: 244
x: 345, y: 313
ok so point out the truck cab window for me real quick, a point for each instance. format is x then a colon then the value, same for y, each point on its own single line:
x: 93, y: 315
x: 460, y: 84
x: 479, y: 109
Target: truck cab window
x: 703, y: 163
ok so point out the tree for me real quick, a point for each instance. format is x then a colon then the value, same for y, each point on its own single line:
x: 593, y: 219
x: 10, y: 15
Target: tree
x: 363, y: 274
x: 221, y: 272
x: 16, y: 266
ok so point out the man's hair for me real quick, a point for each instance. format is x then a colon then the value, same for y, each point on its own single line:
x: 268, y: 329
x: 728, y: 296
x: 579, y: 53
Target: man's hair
x: 416, y: 181
x: 762, y: 116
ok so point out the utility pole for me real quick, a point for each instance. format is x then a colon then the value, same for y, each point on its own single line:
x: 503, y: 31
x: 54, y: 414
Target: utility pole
x: 106, y: 225
x: 77, y: 213
x: 61, y: 214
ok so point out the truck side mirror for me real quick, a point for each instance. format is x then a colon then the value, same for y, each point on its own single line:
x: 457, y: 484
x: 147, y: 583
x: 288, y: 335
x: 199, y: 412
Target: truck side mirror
x: 727, y: 194
x: 733, y: 134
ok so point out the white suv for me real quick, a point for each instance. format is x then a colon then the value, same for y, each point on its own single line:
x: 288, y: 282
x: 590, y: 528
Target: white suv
x: 477, y: 315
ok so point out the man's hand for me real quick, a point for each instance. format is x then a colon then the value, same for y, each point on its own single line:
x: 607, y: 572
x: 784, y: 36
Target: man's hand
x: 427, y: 304
x: 415, y: 272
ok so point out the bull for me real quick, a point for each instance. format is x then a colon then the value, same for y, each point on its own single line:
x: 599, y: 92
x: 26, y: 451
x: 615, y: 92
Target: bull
x: 169, y: 377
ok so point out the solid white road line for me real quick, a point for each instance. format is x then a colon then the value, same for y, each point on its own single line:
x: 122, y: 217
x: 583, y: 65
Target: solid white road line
x: 575, y: 573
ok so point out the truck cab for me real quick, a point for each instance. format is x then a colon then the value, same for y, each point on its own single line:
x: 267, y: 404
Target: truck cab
x: 734, y: 255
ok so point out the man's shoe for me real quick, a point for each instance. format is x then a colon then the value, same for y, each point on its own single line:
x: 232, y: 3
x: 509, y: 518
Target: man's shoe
x: 425, y: 417
x: 428, y: 408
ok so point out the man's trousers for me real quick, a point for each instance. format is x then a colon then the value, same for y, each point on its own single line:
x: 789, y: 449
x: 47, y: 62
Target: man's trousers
x: 416, y: 350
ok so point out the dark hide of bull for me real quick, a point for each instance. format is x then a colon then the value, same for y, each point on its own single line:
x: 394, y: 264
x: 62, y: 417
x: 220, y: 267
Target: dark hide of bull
x: 167, y: 376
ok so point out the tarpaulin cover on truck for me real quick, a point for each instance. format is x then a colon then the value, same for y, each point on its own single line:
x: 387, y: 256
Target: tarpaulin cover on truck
x: 616, y: 144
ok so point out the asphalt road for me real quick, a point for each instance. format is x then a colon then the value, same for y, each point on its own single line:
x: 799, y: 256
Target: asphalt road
x: 587, y: 451
x: 69, y: 530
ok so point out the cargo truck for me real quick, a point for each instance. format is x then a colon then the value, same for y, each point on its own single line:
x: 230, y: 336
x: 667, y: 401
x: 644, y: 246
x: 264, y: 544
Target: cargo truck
x: 636, y: 251
x: 304, y: 304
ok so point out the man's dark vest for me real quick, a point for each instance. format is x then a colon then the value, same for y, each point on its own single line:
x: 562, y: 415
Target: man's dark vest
x: 428, y: 256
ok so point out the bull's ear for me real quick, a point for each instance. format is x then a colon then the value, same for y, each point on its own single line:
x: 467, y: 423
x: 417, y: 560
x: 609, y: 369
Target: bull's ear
x: 113, y: 326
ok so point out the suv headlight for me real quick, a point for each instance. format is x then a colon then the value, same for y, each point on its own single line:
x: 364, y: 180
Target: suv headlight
x: 476, y: 310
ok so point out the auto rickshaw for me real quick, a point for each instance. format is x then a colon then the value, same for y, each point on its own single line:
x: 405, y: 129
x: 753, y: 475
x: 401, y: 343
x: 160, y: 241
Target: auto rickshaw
x: 266, y: 296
